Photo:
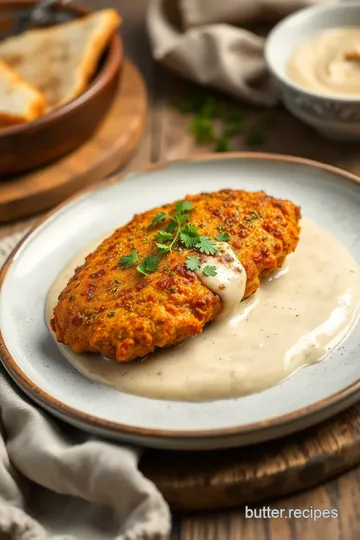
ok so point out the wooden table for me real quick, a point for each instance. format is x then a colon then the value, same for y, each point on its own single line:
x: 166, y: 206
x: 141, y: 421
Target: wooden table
x: 167, y: 138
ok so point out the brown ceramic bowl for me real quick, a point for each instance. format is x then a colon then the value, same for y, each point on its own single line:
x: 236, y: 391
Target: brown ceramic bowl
x: 32, y: 145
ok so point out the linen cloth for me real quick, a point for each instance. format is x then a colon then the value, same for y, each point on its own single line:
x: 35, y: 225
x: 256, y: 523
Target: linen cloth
x: 207, y: 41
x: 59, y: 483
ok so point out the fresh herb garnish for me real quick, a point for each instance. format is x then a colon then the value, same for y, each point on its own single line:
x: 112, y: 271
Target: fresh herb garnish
x: 128, y: 260
x: 216, y: 120
x: 71, y: 297
x: 222, y: 144
x: 116, y: 281
x: 160, y: 216
x: 202, y: 129
x: 192, y: 264
x: 206, y: 245
x: 112, y: 314
x: 223, y: 237
x: 183, y: 207
x: 163, y: 236
x: 149, y: 264
x: 210, y: 271
x: 189, y: 235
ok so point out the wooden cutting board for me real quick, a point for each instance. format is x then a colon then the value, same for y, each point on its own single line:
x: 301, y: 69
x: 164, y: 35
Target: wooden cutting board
x: 105, y: 152
x: 254, y: 474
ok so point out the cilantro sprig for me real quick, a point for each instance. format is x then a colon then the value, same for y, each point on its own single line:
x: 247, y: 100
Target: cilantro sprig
x: 193, y: 264
x: 149, y: 264
x: 223, y: 237
x: 180, y: 232
x: 128, y: 260
x: 216, y: 121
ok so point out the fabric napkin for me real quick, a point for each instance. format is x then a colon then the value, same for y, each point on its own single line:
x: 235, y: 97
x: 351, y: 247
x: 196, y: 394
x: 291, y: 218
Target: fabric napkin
x: 209, y: 42
x: 59, y: 483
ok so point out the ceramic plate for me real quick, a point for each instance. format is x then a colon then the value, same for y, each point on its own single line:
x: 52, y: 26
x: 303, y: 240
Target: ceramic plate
x: 326, y: 195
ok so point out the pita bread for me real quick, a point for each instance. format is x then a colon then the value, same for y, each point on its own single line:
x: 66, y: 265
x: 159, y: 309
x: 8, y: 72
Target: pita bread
x: 19, y: 101
x: 60, y: 60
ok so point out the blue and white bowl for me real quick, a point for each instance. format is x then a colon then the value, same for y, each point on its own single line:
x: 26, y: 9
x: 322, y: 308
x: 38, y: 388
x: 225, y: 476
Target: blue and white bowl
x: 335, y: 117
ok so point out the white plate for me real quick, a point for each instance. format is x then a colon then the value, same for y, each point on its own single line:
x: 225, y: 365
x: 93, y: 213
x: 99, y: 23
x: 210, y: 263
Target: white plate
x: 326, y: 195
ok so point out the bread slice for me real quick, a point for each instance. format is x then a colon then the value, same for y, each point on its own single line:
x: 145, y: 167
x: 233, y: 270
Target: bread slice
x: 19, y: 101
x: 60, y: 60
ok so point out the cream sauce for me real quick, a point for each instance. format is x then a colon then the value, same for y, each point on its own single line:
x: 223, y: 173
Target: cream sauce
x: 297, y: 316
x: 328, y: 63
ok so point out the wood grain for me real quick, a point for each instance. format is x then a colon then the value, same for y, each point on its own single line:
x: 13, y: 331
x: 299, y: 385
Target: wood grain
x: 222, y: 479
x: 108, y: 149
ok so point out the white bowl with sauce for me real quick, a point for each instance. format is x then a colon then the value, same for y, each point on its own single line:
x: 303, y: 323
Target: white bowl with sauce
x: 314, y: 59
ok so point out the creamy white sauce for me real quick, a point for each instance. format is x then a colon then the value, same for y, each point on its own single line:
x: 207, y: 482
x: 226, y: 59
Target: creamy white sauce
x: 229, y: 282
x: 328, y: 63
x: 297, y: 316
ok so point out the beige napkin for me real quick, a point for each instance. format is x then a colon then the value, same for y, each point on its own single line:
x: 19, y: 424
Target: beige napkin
x: 57, y: 482
x: 198, y: 40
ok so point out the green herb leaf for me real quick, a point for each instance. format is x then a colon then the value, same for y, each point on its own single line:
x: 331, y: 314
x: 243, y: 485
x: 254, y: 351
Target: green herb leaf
x: 222, y: 144
x: 202, y: 129
x: 192, y: 264
x: 160, y: 216
x: 171, y: 227
x: 111, y: 314
x: 223, y: 237
x: 189, y: 235
x: 211, y: 108
x: 128, y: 260
x: 149, y: 264
x: 209, y: 271
x: 163, y: 247
x: 163, y: 236
x: 254, y: 138
x: 183, y: 206
x: 207, y: 246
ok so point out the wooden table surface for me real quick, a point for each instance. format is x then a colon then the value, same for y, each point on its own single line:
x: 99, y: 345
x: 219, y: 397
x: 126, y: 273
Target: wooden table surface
x: 167, y: 137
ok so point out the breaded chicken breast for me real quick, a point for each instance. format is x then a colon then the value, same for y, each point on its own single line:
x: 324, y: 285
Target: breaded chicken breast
x: 138, y: 289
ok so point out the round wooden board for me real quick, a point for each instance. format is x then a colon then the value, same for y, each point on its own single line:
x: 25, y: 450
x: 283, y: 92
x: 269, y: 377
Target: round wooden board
x: 246, y: 476
x: 109, y: 149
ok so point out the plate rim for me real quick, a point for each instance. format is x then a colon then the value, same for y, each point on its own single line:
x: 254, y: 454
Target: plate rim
x: 44, y: 398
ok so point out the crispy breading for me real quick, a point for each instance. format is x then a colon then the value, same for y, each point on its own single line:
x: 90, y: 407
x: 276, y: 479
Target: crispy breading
x: 114, y: 311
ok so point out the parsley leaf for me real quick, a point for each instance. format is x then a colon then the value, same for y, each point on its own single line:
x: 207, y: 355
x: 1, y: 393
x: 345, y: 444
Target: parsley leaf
x: 207, y: 246
x: 163, y: 248
x: 160, y: 216
x: 192, y: 264
x: 128, y: 260
x: 222, y: 144
x: 223, y: 237
x: 163, y: 236
x: 209, y: 271
x: 171, y: 227
x: 149, y: 264
x: 202, y: 129
x: 183, y: 206
x: 189, y: 235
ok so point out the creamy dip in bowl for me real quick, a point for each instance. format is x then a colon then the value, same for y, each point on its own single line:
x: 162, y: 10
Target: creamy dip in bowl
x: 314, y: 59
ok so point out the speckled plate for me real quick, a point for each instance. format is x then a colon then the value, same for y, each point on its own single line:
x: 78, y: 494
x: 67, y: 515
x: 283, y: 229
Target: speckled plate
x: 328, y: 196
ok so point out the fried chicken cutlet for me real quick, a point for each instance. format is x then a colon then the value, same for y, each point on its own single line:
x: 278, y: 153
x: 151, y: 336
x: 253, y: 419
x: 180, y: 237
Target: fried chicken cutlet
x: 135, y: 292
